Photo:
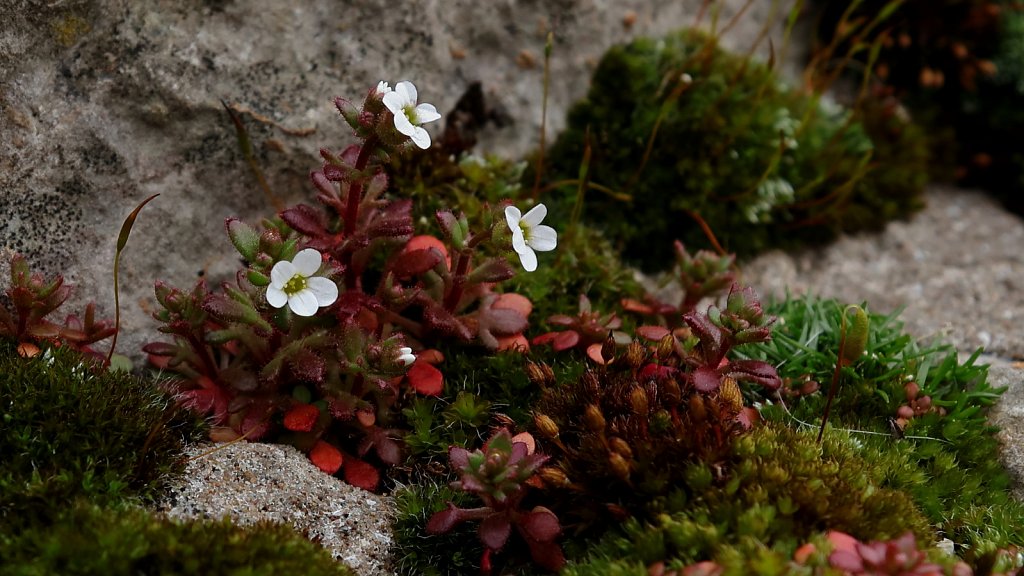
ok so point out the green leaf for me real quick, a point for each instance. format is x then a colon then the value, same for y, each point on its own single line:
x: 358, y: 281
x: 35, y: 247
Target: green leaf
x: 246, y: 238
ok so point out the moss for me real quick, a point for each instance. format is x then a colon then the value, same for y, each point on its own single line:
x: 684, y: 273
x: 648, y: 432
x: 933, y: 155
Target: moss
x: 71, y: 433
x: 763, y: 165
x: 90, y: 540
x: 416, y: 553
x: 776, y: 491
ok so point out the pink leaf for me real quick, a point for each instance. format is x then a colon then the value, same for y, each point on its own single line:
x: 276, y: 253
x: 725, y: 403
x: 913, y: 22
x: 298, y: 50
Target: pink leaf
x: 705, y: 379
x: 444, y: 520
x: 459, y: 457
x: 513, y: 301
x: 652, y: 333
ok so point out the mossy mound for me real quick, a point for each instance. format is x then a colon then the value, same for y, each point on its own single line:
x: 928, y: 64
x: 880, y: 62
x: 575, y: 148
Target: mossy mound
x: 72, y: 431
x: 763, y: 165
x: 89, y: 540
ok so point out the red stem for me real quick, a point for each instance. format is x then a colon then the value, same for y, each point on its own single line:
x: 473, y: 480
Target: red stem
x: 355, y: 196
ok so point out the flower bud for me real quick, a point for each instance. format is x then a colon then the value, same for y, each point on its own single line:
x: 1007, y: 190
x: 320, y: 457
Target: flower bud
x: 911, y: 389
x: 546, y: 426
x: 905, y: 412
x: 638, y: 400
x: 554, y: 477
x: 620, y: 446
x: 608, y: 349
x: 593, y: 418
x: 619, y: 466
x: 924, y: 403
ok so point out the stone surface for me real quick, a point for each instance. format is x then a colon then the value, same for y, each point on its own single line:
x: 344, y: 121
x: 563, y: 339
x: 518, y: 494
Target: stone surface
x: 253, y: 482
x: 1008, y: 415
x: 105, y: 102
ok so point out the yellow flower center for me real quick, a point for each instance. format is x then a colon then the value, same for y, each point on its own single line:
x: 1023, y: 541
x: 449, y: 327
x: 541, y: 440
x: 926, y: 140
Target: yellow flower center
x: 295, y: 285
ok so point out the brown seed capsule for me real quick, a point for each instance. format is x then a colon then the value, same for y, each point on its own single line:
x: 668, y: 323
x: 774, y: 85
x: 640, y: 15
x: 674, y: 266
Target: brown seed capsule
x: 608, y: 349
x: 697, y: 410
x: 546, y: 426
x: 730, y: 394
x: 666, y: 346
x: 540, y: 374
x: 619, y: 466
x: 593, y: 418
x: 590, y: 383
x: 620, y: 446
x: 554, y: 477
x: 638, y: 400
x: 636, y: 355
x: 671, y: 392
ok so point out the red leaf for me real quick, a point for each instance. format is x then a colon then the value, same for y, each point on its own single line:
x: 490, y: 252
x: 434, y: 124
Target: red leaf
x: 513, y: 301
x: 326, y: 457
x: 444, y: 520
x: 410, y: 263
x: 459, y: 457
x: 559, y: 340
x: 494, y: 531
x: 425, y: 379
x: 305, y: 220
x: 301, y: 418
x: 748, y: 417
x: 547, y: 555
x: 705, y: 379
x: 541, y: 525
x: 360, y: 474
x: 594, y: 353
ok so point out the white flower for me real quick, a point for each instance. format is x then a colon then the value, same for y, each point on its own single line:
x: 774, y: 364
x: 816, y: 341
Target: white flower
x: 528, y: 234
x: 408, y: 115
x: 293, y: 283
x: 383, y: 88
x: 405, y: 356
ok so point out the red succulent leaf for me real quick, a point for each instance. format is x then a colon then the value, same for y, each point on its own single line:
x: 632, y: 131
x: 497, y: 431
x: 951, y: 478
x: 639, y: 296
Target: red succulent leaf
x: 426, y: 242
x: 326, y: 457
x: 748, y: 417
x: 705, y: 379
x: 361, y: 474
x: 562, y: 320
x: 305, y: 220
x: 513, y: 301
x: 547, y: 555
x: 459, y: 457
x: 160, y: 349
x: 439, y: 319
x: 308, y: 366
x: 409, y: 263
x: 756, y: 371
x: 631, y: 305
x: 425, y: 379
x: 443, y: 521
x: 711, y: 338
x: 301, y: 418
x: 494, y: 531
x: 705, y: 568
x: 541, y: 525
x: 594, y: 353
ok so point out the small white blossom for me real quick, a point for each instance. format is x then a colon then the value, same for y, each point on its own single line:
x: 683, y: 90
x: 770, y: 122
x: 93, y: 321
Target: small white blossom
x: 405, y: 356
x: 294, y: 283
x: 528, y: 234
x: 408, y: 115
x: 383, y: 88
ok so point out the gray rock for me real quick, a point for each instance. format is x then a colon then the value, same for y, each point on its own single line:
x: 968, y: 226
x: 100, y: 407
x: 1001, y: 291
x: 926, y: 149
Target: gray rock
x: 253, y: 482
x: 105, y: 102
x: 1008, y: 416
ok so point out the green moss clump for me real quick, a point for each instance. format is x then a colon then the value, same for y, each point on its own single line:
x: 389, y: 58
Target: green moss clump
x: 453, y: 553
x: 90, y: 540
x: 72, y: 432
x: 763, y: 165
x: 947, y: 462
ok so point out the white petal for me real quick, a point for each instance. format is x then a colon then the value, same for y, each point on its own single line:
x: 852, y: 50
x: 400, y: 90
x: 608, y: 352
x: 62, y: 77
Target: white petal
x: 276, y: 297
x: 426, y: 113
x: 536, y: 215
x: 404, y: 350
x: 303, y: 302
x: 382, y: 87
x: 512, y: 216
x: 403, y: 125
x: 420, y: 137
x: 529, y: 259
x: 393, y: 101
x: 407, y: 359
x: 281, y: 273
x: 543, y: 238
x: 307, y: 262
x: 408, y: 91
x: 519, y: 241
x: 325, y: 290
